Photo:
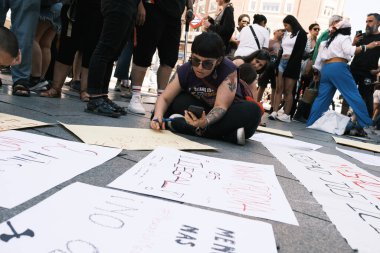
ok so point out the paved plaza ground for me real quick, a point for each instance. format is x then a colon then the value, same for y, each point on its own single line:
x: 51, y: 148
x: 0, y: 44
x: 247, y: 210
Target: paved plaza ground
x: 315, y: 233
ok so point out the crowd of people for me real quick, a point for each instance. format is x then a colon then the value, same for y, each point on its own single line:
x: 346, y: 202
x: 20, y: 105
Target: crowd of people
x: 218, y: 92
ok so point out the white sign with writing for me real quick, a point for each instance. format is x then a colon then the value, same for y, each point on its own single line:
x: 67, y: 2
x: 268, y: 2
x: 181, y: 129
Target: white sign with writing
x: 83, y: 218
x: 31, y: 164
x: 349, y: 195
x: 283, y: 141
x: 239, y: 187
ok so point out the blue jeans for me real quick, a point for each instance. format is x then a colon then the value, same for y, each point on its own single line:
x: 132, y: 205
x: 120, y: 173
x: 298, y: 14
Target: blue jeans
x: 334, y: 76
x: 24, y: 18
x: 282, y: 65
x: 124, y: 61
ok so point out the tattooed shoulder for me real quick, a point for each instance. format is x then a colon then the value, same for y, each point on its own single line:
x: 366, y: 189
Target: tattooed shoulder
x: 230, y: 83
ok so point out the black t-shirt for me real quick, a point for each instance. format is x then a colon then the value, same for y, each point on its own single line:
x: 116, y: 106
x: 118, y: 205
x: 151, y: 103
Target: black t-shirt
x: 364, y: 62
x: 173, y: 8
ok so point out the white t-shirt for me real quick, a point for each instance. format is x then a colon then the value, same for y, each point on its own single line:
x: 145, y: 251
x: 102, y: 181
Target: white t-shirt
x: 248, y: 43
x: 288, y: 43
x: 340, y: 47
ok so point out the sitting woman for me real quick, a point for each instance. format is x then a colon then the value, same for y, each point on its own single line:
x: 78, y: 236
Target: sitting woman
x: 210, y: 81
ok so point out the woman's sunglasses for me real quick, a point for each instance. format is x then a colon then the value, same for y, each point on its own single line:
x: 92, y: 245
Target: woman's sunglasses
x: 206, y: 64
x: 316, y: 29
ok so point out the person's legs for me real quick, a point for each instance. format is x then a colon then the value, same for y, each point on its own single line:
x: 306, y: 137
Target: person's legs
x: 117, y: 26
x: 24, y: 19
x: 277, y: 95
x: 288, y: 96
x: 148, y: 37
x: 124, y: 62
x: 42, y: 27
x: 45, y: 44
x: 345, y: 83
x: 366, y: 92
x: 325, y: 94
x: 243, y: 114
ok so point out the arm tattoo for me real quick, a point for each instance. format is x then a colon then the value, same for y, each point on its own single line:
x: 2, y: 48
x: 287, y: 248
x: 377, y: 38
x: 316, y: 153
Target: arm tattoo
x: 231, y: 85
x: 215, y: 115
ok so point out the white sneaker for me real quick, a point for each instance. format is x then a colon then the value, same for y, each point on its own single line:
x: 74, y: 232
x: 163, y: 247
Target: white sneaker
x: 240, y: 136
x: 173, y: 116
x: 135, y: 106
x: 273, y: 116
x: 284, y: 118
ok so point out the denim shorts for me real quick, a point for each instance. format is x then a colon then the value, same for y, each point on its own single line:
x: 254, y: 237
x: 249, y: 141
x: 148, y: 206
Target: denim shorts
x: 52, y: 15
x: 282, y: 65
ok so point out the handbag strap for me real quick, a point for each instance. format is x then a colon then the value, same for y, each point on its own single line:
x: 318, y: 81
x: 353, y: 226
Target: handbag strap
x: 254, y: 35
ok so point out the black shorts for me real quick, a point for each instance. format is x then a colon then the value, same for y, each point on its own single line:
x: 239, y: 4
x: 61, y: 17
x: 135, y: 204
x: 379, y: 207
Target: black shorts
x: 85, y: 33
x: 159, y: 31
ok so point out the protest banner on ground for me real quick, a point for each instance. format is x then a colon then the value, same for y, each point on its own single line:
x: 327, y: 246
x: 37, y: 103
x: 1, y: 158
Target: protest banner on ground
x: 239, y: 187
x: 132, y: 138
x: 31, y: 164
x: 82, y: 218
x: 349, y: 195
x: 368, y: 159
x: 11, y: 122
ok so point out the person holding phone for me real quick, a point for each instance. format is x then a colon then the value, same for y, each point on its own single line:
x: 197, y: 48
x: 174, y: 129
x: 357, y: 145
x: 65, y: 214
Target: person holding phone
x: 208, y: 80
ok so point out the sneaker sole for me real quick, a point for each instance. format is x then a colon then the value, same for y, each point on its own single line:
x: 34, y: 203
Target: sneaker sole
x: 39, y: 86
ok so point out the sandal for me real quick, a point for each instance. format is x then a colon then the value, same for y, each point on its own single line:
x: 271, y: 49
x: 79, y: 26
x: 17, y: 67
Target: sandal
x: 51, y: 93
x: 84, y: 96
x: 21, y: 89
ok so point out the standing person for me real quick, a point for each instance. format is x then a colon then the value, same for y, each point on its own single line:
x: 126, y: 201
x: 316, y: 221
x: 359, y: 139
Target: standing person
x: 335, y: 74
x: 364, y: 62
x: 243, y: 21
x: 209, y: 80
x: 224, y: 23
x: 269, y: 75
x: 24, y: 20
x: 157, y: 27
x: 118, y: 20
x: 293, y: 45
x: 253, y: 37
x: 48, y: 26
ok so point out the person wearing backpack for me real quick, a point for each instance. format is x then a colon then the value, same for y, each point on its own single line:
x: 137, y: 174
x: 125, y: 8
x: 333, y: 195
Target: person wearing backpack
x: 208, y: 80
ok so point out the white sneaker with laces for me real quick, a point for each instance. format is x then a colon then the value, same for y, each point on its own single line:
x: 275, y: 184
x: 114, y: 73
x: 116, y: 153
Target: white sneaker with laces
x: 284, y: 118
x: 135, y: 106
x: 173, y: 116
x: 272, y: 116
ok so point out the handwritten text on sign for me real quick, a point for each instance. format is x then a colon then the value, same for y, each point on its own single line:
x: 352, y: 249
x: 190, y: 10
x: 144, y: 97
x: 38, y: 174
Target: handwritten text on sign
x: 349, y: 195
x: 245, y: 188
x: 31, y: 164
x: 9, y: 122
x: 83, y: 218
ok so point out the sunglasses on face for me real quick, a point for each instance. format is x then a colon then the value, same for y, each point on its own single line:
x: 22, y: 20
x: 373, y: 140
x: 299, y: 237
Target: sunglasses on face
x: 206, y: 64
x: 316, y: 29
x: 245, y: 21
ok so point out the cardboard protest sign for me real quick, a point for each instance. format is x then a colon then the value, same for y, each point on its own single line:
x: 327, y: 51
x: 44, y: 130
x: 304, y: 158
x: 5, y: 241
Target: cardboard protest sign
x: 31, y: 164
x: 82, y: 218
x: 11, y: 122
x: 239, y: 187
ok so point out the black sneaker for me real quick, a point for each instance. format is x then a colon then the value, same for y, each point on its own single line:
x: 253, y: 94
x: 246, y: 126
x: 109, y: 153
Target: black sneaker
x: 117, y: 107
x: 179, y: 124
x: 100, y: 106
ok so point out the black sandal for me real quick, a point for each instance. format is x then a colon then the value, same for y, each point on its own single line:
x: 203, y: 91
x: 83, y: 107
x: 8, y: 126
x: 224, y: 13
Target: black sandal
x: 20, y: 88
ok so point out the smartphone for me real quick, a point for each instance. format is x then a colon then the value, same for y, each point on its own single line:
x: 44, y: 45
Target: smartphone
x: 196, y: 110
x: 359, y: 33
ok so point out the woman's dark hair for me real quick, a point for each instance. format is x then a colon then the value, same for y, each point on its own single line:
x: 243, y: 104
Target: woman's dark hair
x: 244, y: 16
x: 247, y: 73
x: 208, y: 44
x: 293, y: 22
x: 8, y: 42
x: 260, y: 55
x: 343, y: 31
x: 258, y: 18
x: 313, y: 25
